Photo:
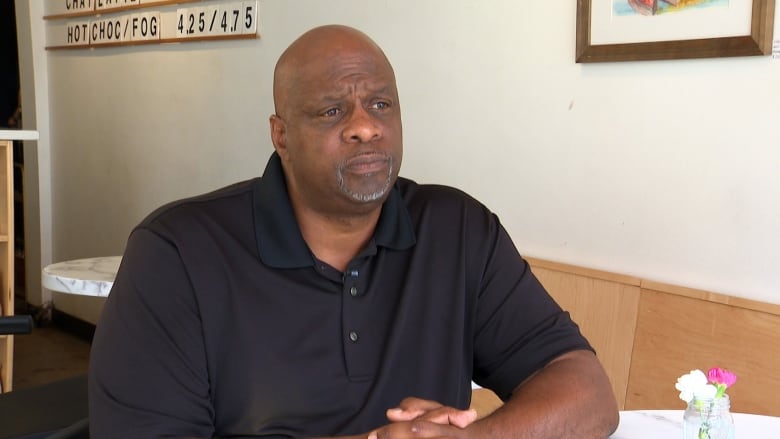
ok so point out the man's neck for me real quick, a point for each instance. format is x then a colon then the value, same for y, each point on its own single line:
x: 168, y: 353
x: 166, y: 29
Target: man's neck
x: 336, y: 240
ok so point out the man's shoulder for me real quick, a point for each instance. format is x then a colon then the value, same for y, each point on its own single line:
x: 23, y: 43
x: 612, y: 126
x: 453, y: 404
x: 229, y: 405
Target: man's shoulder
x: 438, y: 195
x: 236, y: 195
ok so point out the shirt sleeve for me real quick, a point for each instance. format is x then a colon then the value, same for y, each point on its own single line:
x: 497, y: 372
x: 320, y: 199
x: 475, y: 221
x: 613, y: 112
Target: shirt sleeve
x: 147, y: 374
x: 519, y: 326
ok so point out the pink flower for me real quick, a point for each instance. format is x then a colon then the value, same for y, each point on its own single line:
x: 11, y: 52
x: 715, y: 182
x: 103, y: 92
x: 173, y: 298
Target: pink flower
x: 721, y: 377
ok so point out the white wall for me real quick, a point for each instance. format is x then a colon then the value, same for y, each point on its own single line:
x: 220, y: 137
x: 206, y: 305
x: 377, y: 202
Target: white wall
x: 667, y: 170
x: 37, y: 172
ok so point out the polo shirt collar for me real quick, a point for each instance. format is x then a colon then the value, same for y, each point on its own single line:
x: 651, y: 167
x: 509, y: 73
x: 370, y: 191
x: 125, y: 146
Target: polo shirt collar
x: 279, y: 239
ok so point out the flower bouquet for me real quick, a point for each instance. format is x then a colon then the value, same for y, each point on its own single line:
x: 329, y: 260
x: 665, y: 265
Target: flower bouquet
x: 707, y: 415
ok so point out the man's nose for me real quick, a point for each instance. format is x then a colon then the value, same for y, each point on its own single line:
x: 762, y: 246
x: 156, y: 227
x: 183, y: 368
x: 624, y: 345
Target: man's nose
x: 361, y: 127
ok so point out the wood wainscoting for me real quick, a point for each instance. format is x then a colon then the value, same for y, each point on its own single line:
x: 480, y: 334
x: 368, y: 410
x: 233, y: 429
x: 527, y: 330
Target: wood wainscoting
x: 647, y: 334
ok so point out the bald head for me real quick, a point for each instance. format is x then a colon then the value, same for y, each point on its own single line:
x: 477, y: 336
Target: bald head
x: 307, y: 55
x: 337, y: 127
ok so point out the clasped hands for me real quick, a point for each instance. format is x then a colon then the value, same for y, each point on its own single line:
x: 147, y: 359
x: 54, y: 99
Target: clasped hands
x: 420, y: 418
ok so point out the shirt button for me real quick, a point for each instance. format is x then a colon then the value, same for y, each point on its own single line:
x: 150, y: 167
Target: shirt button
x: 353, y: 336
x: 353, y: 291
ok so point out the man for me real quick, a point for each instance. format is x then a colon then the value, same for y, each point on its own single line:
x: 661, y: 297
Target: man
x: 331, y: 297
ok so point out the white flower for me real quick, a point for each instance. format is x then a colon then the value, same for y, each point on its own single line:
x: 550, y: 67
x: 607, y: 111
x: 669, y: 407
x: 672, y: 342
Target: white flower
x: 693, y: 385
x: 706, y: 392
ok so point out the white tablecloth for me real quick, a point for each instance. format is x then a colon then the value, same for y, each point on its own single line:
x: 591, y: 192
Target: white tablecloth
x: 667, y: 424
x: 89, y: 277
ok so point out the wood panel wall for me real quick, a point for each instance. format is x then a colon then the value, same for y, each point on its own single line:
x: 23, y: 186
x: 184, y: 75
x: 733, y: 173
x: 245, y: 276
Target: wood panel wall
x: 647, y: 334
x: 605, y: 307
x: 678, y: 333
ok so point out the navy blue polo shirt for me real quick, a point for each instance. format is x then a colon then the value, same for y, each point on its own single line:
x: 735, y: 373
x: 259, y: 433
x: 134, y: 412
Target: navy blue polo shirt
x: 222, y: 323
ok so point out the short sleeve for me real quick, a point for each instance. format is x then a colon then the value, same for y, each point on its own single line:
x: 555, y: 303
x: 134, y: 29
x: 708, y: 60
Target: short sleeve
x: 147, y: 374
x: 519, y: 326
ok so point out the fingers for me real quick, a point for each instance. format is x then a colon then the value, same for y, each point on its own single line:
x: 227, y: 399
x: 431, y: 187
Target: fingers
x: 416, y: 429
x: 450, y: 416
x: 432, y: 411
x: 419, y: 404
x: 461, y: 418
x: 399, y: 415
x: 412, y: 408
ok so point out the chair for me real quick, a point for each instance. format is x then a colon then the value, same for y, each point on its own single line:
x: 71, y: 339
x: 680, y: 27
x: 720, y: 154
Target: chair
x: 55, y: 410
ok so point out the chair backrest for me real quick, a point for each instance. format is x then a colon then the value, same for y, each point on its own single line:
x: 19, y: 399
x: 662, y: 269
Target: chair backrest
x: 42, y: 411
x: 77, y: 430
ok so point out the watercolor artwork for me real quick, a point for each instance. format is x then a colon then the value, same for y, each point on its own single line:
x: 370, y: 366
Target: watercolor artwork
x: 658, y: 7
x: 645, y: 30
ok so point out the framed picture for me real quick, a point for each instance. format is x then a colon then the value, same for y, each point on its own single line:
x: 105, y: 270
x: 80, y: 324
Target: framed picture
x: 636, y: 30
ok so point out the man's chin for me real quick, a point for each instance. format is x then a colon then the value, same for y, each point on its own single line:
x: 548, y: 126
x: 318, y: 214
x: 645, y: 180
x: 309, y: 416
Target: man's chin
x: 367, y: 197
x: 367, y: 192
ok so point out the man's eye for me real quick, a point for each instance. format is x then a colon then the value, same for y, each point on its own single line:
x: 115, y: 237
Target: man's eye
x: 381, y: 105
x: 331, y: 112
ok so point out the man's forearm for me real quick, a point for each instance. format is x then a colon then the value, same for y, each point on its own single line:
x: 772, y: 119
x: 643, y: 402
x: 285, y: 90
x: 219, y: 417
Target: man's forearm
x: 569, y: 398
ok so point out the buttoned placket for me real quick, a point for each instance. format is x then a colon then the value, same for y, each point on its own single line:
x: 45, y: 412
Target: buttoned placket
x: 351, y: 288
x: 354, y: 313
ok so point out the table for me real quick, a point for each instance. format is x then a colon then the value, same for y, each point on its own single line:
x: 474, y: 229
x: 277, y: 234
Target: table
x: 18, y: 135
x: 667, y: 424
x: 88, y: 277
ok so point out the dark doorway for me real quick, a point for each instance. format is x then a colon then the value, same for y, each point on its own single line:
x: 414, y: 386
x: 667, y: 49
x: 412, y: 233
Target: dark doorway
x: 11, y: 117
x: 9, y: 65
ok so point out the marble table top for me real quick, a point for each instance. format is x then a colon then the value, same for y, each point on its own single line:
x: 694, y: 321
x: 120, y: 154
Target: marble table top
x: 89, y: 277
x: 656, y: 424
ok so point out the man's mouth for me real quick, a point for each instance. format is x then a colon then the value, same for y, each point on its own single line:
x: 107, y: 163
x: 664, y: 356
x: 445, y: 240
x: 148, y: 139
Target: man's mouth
x: 367, y: 163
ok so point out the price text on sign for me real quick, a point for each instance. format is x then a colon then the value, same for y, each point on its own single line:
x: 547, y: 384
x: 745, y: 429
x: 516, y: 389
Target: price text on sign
x: 212, y: 20
x: 131, y: 27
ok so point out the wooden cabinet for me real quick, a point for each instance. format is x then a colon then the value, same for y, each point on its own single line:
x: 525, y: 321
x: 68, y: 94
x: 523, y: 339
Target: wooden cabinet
x: 6, y: 258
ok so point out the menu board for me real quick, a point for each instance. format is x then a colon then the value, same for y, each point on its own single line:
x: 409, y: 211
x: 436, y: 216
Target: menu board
x: 103, y: 23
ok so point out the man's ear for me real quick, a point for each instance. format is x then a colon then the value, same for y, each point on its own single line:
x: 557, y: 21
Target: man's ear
x: 279, y: 135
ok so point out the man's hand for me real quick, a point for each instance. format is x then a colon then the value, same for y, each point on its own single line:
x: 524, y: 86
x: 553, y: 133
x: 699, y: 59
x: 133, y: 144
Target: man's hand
x: 418, y: 429
x: 425, y: 410
x: 570, y: 397
x: 420, y: 418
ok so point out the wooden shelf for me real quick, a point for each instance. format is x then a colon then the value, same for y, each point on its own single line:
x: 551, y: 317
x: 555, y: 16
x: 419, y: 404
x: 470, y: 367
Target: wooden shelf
x: 7, y: 252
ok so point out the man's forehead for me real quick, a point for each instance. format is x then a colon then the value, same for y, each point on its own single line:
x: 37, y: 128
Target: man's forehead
x: 315, y: 93
x: 325, y: 37
x: 345, y: 74
x: 335, y: 64
x: 327, y: 62
x: 338, y: 92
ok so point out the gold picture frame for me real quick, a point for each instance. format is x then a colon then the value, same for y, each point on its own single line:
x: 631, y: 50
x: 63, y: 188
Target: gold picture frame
x: 758, y: 42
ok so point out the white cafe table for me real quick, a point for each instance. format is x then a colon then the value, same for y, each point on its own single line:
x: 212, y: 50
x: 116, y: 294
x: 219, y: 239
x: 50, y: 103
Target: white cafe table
x: 667, y: 424
x: 87, y: 277
x: 18, y: 135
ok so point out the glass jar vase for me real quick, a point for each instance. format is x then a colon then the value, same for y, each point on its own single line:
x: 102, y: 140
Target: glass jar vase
x: 708, y: 419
